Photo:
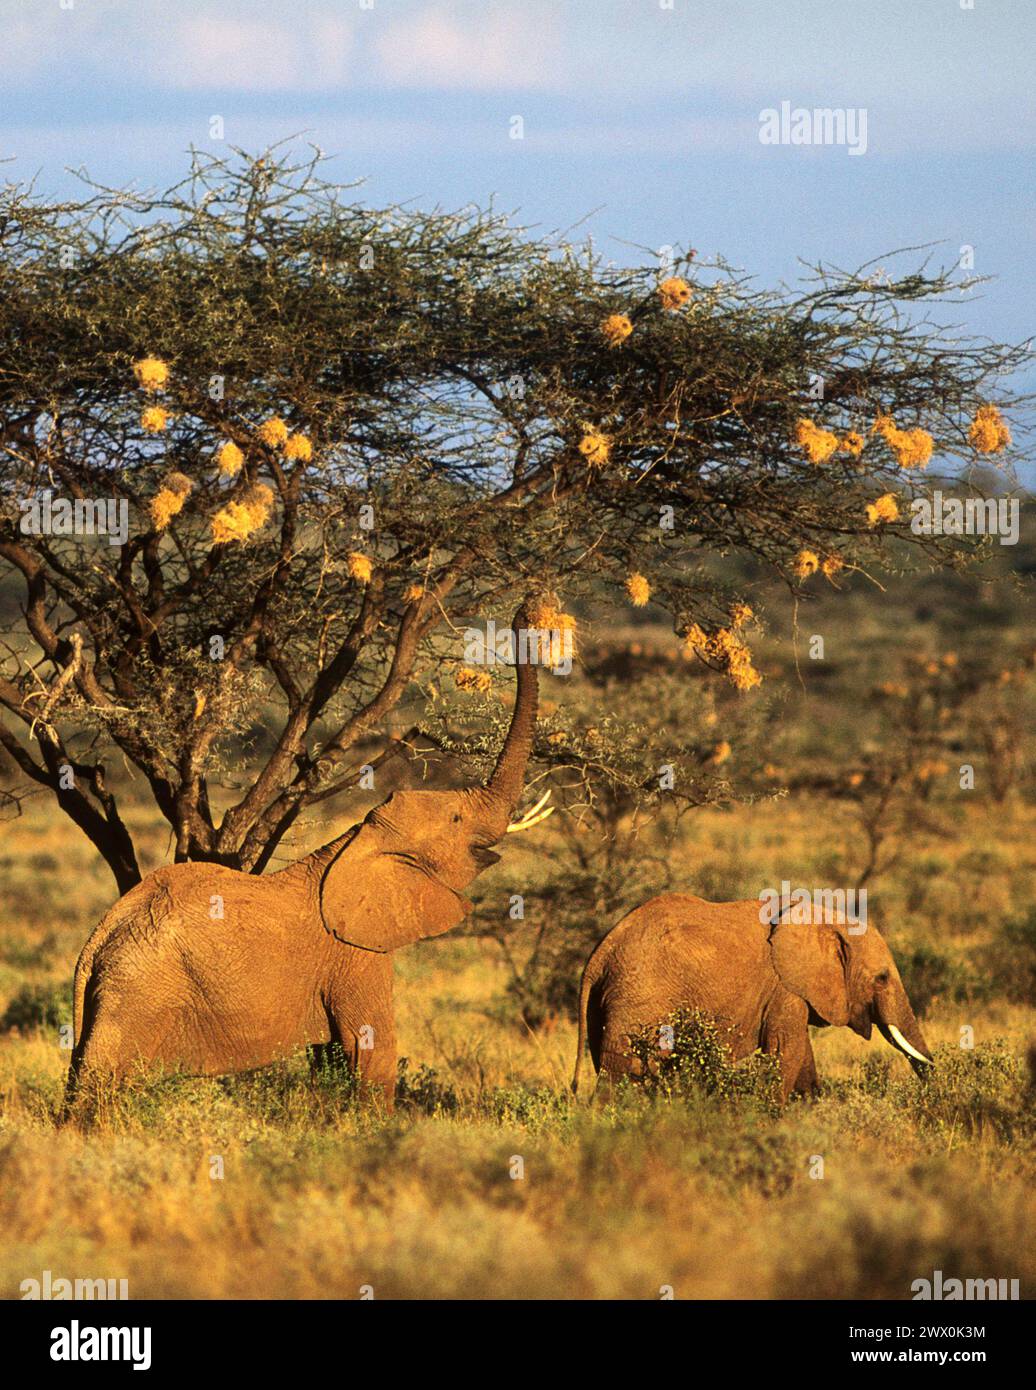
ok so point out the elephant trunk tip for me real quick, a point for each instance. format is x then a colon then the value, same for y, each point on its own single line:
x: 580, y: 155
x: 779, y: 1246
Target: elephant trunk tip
x: 921, y: 1061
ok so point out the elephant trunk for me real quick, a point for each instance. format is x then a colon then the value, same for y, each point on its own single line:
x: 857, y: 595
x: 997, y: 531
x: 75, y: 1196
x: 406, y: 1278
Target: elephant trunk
x: 505, y: 785
x: 898, y: 1026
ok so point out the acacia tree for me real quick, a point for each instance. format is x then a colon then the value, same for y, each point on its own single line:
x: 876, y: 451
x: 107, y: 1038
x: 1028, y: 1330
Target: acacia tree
x: 343, y: 434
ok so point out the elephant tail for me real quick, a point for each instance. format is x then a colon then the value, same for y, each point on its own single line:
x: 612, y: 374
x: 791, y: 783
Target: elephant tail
x: 589, y: 1013
x: 78, y: 995
x: 84, y: 969
x: 126, y: 907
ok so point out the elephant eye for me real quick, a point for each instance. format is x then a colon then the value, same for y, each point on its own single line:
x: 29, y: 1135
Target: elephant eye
x: 456, y: 817
x: 882, y: 977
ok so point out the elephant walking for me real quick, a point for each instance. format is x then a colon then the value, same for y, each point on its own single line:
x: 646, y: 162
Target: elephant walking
x: 764, y: 982
x: 205, y: 970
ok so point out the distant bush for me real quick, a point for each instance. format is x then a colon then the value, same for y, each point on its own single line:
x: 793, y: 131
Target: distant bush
x: 38, y: 1006
x: 1010, y: 961
x: 929, y: 974
x: 27, y: 955
x: 590, y: 887
x: 545, y: 986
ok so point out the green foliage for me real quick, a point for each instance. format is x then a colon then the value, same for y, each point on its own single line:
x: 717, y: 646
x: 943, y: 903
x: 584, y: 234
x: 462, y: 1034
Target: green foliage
x: 700, y: 1063
x: 535, y: 1108
x: 970, y: 1091
x: 331, y: 1073
x: 424, y: 1091
x: 38, y: 1006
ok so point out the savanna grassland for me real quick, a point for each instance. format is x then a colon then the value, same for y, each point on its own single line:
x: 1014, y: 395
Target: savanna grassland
x: 708, y: 1189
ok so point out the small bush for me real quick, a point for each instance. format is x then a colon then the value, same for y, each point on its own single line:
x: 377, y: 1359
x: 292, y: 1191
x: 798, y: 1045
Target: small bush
x: 532, y: 1106
x: 969, y: 1091
x: 38, y: 1006
x: 700, y: 1063
x: 332, y: 1075
x: 424, y: 1091
x: 876, y: 1074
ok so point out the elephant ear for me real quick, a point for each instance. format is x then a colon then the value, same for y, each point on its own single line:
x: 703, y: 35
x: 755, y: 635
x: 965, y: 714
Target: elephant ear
x: 379, y: 898
x: 811, y: 962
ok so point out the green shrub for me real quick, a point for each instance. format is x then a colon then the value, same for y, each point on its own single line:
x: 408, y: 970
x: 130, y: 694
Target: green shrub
x: 331, y: 1074
x: 876, y: 1074
x: 424, y: 1091
x: 969, y: 1091
x: 700, y: 1063
x: 532, y: 1106
x: 38, y: 1006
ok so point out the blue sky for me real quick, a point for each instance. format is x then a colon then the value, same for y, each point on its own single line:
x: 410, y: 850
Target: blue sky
x: 642, y: 113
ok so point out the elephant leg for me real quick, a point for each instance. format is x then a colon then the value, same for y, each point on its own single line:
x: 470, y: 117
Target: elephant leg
x: 368, y: 1049
x: 616, y: 1061
x: 785, y: 1035
x: 362, y: 1023
x: 807, y: 1083
x: 97, y: 1068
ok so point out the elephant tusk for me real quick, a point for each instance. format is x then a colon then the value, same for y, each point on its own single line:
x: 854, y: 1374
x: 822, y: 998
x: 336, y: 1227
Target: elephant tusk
x: 530, y: 817
x: 904, y: 1046
x: 533, y: 809
x: 528, y: 821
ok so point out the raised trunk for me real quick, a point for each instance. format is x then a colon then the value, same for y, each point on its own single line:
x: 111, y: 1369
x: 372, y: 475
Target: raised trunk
x: 508, y: 777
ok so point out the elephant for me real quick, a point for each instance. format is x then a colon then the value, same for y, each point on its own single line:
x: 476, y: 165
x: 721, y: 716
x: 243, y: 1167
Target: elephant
x: 205, y: 970
x: 763, y: 981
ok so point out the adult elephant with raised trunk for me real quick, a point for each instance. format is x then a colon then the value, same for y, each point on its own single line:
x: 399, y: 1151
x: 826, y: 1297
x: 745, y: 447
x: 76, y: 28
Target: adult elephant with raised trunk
x: 205, y: 970
x: 764, y: 983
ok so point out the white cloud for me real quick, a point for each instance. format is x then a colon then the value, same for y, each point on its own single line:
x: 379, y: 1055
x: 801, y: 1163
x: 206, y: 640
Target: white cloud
x: 482, y: 51
x: 255, y: 55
